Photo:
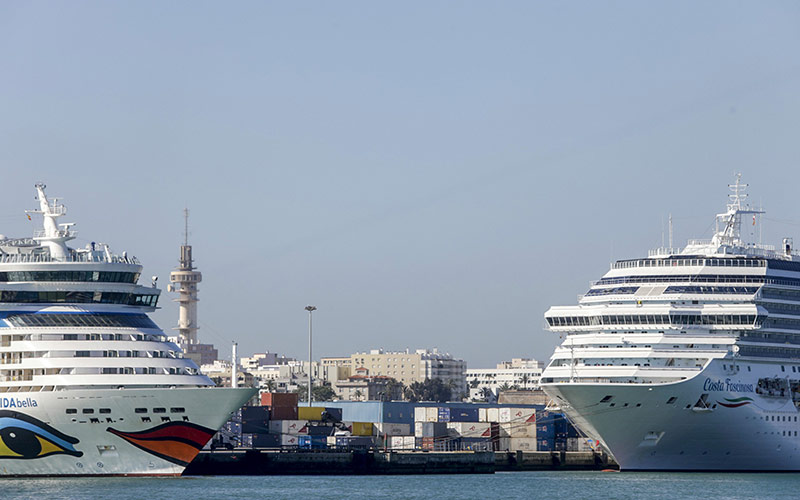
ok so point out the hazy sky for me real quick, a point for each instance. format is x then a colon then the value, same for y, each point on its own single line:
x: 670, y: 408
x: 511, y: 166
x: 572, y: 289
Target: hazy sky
x: 428, y: 174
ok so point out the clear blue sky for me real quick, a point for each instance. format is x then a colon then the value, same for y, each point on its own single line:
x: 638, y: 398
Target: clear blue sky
x: 427, y: 174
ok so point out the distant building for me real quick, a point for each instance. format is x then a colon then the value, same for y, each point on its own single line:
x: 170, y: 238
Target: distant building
x: 363, y: 387
x: 259, y: 360
x: 408, y: 367
x: 519, y: 373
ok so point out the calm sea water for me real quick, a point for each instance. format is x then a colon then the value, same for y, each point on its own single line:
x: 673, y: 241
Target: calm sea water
x: 517, y: 486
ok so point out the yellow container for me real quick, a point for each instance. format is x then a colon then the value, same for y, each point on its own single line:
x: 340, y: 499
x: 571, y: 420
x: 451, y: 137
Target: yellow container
x: 362, y: 429
x: 309, y: 413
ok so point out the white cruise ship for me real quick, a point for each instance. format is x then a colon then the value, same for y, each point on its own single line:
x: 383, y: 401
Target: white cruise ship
x: 89, y: 385
x: 688, y: 359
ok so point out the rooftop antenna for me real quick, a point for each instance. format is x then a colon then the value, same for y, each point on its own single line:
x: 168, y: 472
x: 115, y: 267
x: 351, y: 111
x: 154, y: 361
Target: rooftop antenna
x: 670, y: 231
x: 186, y: 226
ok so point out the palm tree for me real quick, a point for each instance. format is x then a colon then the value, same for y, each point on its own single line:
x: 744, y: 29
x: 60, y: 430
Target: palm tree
x: 358, y: 394
x: 524, y: 379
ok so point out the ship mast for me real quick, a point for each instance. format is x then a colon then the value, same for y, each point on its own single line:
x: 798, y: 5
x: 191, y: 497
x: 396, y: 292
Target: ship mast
x: 51, y: 236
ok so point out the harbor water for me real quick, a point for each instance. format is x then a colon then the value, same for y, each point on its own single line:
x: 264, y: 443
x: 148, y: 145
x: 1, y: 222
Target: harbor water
x: 519, y: 485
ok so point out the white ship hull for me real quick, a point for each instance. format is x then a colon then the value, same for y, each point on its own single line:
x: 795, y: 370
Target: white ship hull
x: 741, y: 430
x: 118, y: 441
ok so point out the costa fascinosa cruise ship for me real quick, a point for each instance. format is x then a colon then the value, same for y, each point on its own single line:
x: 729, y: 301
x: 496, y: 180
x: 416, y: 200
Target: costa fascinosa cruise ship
x: 688, y: 359
x: 89, y: 385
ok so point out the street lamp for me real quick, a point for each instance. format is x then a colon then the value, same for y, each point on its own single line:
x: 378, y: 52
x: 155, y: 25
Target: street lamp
x: 310, y: 309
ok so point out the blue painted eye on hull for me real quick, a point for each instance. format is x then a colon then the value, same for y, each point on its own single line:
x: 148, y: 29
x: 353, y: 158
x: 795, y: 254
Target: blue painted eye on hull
x: 23, y: 437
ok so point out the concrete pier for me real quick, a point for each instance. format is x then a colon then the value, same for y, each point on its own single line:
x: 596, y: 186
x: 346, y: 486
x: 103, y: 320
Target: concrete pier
x: 332, y: 462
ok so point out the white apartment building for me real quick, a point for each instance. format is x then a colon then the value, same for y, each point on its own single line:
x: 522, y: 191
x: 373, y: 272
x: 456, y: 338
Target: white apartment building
x: 417, y: 366
x: 521, y: 373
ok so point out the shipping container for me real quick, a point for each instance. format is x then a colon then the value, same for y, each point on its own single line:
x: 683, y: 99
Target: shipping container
x: 310, y: 413
x: 522, y: 415
x: 544, y: 445
x: 255, y: 420
x: 560, y: 444
x: 471, y: 429
x: 432, y: 429
x: 312, y: 442
x: 320, y: 430
x: 545, y: 430
x: 389, y: 429
x: 291, y: 427
x: 431, y: 414
x: 482, y: 415
x: 360, y: 428
x: 266, y: 440
x: 289, y: 440
x: 492, y: 414
x: 420, y: 414
x: 518, y: 430
x: 504, y: 415
x: 443, y: 414
x: 401, y: 442
x: 418, y: 429
x: 464, y: 415
x: 334, y: 414
x: 283, y: 413
x: 522, y: 444
x: 502, y: 444
x: 279, y: 399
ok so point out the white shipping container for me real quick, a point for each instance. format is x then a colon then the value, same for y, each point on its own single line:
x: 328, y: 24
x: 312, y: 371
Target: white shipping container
x: 292, y: 427
x: 289, y: 440
x: 471, y: 429
x: 431, y: 414
x: 522, y: 415
x: 396, y: 442
x: 409, y: 442
x: 492, y: 415
x: 331, y: 440
x: 393, y: 429
x: 419, y: 414
x: 504, y: 415
x: 518, y: 430
x: 503, y: 444
x: 523, y: 444
x: 418, y: 432
x: 482, y: 415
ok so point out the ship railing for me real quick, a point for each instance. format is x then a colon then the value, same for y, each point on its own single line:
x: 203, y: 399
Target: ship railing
x: 36, y: 258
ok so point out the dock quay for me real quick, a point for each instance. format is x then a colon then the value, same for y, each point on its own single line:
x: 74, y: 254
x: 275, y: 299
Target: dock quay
x: 261, y: 462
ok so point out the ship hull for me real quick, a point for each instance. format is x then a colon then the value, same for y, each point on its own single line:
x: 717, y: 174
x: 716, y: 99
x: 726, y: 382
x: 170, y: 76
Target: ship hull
x: 740, y: 431
x: 126, y: 432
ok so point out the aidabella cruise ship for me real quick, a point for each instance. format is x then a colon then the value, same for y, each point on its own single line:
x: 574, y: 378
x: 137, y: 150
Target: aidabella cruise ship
x: 688, y: 359
x: 89, y: 385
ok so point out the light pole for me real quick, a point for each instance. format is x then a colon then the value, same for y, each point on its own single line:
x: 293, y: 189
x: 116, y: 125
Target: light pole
x: 310, y: 309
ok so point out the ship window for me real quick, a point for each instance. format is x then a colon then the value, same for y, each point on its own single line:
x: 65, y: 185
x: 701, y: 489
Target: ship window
x: 178, y: 410
x: 72, y: 411
x: 140, y: 410
x: 606, y: 399
x: 159, y: 410
x: 88, y: 411
x: 105, y: 410
x: 671, y: 400
x: 783, y: 368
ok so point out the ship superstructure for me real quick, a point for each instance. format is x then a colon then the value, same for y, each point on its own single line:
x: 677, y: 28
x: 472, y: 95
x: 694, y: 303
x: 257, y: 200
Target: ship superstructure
x: 88, y: 382
x: 688, y: 359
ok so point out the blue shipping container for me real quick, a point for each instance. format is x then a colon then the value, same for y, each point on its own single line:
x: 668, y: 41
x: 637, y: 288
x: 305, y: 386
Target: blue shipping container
x: 463, y: 414
x: 444, y: 414
x: 312, y: 442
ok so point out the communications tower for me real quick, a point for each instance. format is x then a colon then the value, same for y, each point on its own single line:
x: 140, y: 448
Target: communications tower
x: 184, y: 280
